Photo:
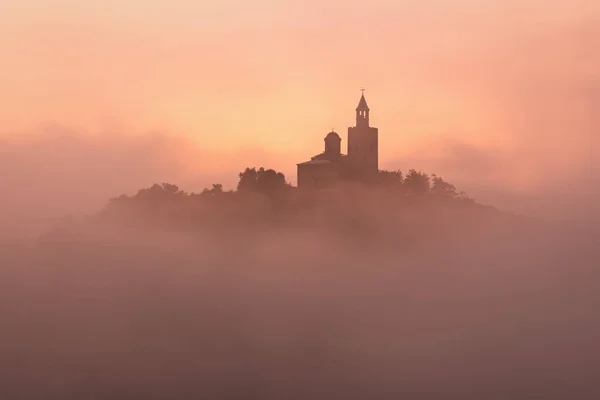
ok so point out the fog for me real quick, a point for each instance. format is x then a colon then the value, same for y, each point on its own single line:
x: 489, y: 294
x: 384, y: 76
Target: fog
x: 58, y: 171
x: 55, y: 171
x: 365, y: 298
x: 362, y: 297
x: 416, y: 303
x: 500, y: 99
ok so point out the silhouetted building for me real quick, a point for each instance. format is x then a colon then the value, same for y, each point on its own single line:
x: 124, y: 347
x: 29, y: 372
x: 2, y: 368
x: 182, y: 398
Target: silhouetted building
x: 329, y: 167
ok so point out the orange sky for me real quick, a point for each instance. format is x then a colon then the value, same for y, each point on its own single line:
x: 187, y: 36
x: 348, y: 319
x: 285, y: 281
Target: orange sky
x: 266, y: 80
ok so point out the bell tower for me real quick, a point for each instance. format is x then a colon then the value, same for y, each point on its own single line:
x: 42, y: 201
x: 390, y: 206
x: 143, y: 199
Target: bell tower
x: 362, y: 112
x: 363, y: 152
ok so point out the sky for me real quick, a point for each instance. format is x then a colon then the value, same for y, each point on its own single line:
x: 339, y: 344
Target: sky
x: 105, y: 97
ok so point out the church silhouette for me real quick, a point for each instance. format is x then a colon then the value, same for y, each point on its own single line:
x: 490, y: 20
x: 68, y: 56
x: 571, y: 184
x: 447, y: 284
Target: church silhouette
x: 331, y: 166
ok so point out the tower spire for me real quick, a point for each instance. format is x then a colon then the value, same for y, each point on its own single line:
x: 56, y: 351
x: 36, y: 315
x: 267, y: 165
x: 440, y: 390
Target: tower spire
x: 362, y: 111
x: 362, y: 104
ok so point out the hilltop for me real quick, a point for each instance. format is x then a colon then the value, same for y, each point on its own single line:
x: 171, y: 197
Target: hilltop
x: 395, y: 210
x: 220, y: 289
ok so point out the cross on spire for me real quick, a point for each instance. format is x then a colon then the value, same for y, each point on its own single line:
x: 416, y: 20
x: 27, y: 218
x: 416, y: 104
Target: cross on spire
x: 362, y: 104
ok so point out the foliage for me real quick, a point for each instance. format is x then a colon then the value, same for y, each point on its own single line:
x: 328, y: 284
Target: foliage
x: 263, y: 194
x: 442, y: 188
x: 390, y: 178
x: 417, y: 182
x: 261, y: 181
x: 156, y: 194
x: 216, y: 190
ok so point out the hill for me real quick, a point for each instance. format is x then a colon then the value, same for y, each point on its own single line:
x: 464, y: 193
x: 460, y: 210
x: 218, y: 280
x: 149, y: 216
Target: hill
x: 356, y: 292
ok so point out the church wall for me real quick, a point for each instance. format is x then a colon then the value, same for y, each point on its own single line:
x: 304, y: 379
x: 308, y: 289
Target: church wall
x: 363, y: 150
x: 317, y: 176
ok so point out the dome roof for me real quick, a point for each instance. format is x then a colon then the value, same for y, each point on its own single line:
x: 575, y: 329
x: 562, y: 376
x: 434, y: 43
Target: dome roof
x: 332, y: 134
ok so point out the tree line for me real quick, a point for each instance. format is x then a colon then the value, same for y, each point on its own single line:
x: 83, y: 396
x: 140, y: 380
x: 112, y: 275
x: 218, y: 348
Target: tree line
x: 270, y: 182
x: 264, y: 196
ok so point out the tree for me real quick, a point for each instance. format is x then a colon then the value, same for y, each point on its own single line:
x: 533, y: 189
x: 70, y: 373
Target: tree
x: 416, y: 182
x: 247, y: 182
x: 261, y: 181
x: 216, y: 189
x: 442, y: 188
x: 159, y: 193
x: 390, y: 178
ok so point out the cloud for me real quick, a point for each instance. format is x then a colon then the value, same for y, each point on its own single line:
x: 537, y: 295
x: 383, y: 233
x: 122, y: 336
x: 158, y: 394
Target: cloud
x: 57, y: 170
